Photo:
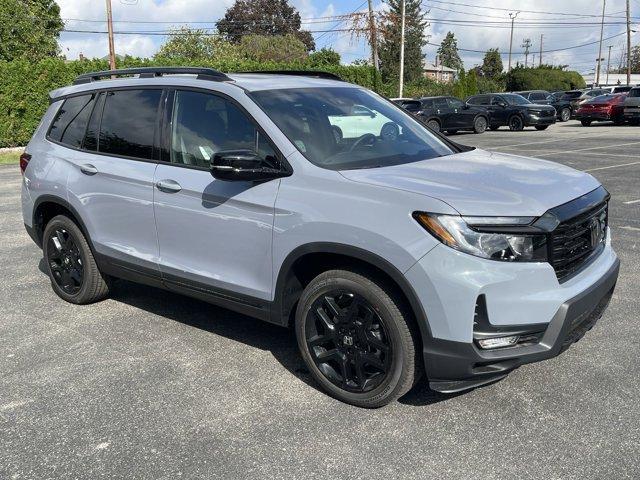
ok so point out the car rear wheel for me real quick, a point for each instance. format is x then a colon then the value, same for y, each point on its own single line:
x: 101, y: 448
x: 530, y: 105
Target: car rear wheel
x: 74, y: 275
x: 565, y: 115
x: 452, y: 132
x: 542, y: 127
x: 516, y: 124
x: 479, y: 125
x: 585, y: 123
x: 433, y: 125
x: 356, y: 338
x: 618, y: 120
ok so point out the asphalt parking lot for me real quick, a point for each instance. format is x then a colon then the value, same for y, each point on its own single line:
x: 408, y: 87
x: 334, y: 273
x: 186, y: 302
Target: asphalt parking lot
x: 149, y: 384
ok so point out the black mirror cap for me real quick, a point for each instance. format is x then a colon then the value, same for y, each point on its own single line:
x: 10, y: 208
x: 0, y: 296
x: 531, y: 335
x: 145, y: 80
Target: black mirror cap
x: 244, y: 165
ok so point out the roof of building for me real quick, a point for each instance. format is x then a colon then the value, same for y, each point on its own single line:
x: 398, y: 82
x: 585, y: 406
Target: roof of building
x: 439, y: 68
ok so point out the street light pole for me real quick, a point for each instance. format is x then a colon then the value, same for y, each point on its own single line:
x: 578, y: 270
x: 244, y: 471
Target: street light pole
x: 608, y: 63
x: 512, y: 16
x: 604, y: 6
x: 112, y: 52
x: 628, y: 44
x: 401, y: 53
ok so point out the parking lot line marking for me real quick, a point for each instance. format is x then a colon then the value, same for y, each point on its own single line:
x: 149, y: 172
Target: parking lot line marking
x: 565, y: 152
x: 633, y: 229
x: 610, y: 166
x: 610, y: 154
x: 532, y: 143
x: 631, y: 202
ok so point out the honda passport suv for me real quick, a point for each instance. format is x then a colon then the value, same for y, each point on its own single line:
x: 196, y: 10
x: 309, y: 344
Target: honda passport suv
x: 392, y: 251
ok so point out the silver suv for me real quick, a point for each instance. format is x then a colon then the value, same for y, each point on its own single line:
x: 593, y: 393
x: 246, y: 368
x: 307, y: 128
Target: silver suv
x: 309, y: 202
x: 632, y: 106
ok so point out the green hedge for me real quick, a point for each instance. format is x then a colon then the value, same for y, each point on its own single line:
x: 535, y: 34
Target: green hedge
x: 545, y: 77
x: 24, y: 85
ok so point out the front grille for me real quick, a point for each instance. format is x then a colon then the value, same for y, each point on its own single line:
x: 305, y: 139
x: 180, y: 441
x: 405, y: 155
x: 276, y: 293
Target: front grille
x: 576, y: 240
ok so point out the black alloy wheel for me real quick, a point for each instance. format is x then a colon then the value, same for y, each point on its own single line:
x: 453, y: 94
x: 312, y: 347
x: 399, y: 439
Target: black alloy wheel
x: 516, y: 124
x: 479, y: 125
x: 65, y: 261
x: 348, y: 341
x: 542, y: 127
x: 565, y: 115
x: 433, y: 125
x: 585, y: 123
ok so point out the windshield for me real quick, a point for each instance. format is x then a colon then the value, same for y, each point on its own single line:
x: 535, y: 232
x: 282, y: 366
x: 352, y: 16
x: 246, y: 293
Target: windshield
x: 571, y: 95
x: 345, y: 128
x: 513, y: 99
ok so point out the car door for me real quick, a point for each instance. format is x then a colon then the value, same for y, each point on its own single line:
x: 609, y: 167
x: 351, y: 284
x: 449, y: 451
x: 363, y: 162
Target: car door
x: 111, y: 183
x: 499, y: 110
x: 214, y: 236
x: 443, y: 112
x: 459, y: 116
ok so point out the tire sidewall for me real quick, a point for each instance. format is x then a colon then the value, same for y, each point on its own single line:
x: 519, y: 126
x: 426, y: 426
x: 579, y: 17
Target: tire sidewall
x: 519, y: 127
x: 435, y: 124
x: 378, y: 301
x: 476, y: 129
x: 562, y: 114
x: 78, y: 238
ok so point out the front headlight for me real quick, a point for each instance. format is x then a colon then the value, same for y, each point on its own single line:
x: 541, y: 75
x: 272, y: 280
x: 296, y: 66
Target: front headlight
x: 473, y: 235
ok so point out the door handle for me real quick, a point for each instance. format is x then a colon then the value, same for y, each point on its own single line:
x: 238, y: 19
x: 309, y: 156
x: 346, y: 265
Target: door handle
x: 88, y: 169
x: 168, y: 186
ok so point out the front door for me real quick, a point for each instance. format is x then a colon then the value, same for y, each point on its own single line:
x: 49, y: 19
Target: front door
x: 214, y: 236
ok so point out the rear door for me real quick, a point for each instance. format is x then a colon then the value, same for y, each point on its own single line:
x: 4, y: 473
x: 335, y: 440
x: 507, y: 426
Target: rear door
x: 111, y: 182
x: 499, y: 110
x: 460, y: 117
x: 214, y: 235
x: 443, y: 111
x: 541, y: 98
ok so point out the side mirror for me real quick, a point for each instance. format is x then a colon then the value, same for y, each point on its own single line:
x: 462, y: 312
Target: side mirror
x: 465, y: 107
x: 243, y: 165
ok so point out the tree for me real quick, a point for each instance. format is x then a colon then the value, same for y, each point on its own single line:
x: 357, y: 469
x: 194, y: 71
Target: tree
x: 491, y: 64
x: 263, y: 17
x: 187, y: 44
x: 29, y: 29
x: 389, y: 50
x: 635, y: 60
x: 325, y: 56
x: 277, y: 48
x: 448, y: 52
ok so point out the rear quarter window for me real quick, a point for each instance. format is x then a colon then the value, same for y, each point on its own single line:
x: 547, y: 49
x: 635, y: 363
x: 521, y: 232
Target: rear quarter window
x: 70, y: 123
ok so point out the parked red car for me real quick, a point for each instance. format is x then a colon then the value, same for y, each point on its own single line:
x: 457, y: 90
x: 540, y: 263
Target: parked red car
x: 602, y: 108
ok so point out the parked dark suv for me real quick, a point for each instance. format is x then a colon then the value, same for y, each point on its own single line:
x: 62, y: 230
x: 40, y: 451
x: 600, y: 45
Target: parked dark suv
x: 450, y: 114
x: 542, y: 97
x: 514, y: 111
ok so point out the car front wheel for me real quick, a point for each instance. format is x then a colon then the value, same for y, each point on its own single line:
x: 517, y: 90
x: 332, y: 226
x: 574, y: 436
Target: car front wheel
x: 542, y: 127
x: 479, y: 125
x: 565, y: 115
x: 585, y: 123
x: 433, y: 125
x: 356, y: 338
x: 516, y: 124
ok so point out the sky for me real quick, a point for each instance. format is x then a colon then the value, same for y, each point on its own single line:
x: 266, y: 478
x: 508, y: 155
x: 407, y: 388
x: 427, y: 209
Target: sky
x: 467, y: 19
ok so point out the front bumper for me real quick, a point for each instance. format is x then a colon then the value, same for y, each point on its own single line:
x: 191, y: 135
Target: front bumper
x: 456, y: 366
x: 533, y: 120
x: 593, y: 116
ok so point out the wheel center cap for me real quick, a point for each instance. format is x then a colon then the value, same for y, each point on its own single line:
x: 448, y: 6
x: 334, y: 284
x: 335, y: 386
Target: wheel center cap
x: 347, y: 340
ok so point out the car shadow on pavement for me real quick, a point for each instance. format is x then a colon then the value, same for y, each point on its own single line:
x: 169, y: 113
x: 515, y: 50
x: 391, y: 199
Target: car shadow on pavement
x: 280, y: 341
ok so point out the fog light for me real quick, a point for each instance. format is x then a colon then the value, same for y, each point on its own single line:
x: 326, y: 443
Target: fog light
x: 487, y: 343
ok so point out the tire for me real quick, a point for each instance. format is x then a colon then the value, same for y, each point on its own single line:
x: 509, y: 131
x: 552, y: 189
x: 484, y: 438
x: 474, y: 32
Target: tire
x: 493, y: 128
x: 634, y: 121
x: 565, y: 114
x: 585, y: 123
x: 479, y: 125
x: 321, y: 328
x: 452, y: 132
x: 74, y: 275
x: 619, y: 120
x: 516, y: 124
x: 542, y: 127
x: 434, y: 125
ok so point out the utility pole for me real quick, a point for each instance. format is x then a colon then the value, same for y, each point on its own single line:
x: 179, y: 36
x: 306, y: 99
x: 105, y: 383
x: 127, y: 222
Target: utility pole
x: 628, y: 44
x: 373, y: 37
x: 604, y: 6
x: 512, y: 16
x: 401, y: 52
x: 526, y: 44
x: 540, y: 58
x: 608, y: 64
x: 112, y: 50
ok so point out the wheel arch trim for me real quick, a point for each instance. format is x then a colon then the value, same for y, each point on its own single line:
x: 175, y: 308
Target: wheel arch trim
x: 46, y: 198
x: 356, y: 253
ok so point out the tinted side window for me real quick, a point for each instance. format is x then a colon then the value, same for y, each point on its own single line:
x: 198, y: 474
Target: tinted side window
x: 129, y: 122
x: 71, y: 120
x: 427, y: 104
x: 479, y: 100
x: 205, y: 124
x: 455, y: 103
x: 440, y: 103
x: 537, y: 96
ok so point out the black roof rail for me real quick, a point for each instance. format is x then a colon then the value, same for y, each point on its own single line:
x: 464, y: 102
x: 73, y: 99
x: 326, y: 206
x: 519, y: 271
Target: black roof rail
x: 302, y: 73
x: 149, y: 72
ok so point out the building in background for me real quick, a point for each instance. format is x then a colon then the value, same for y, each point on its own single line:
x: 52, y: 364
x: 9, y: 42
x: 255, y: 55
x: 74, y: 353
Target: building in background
x: 439, y: 73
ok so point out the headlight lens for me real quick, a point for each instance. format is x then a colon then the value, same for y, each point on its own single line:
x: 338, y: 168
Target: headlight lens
x: 459, y: 233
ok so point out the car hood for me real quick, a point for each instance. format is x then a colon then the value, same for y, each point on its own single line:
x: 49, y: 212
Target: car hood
x: 484, y: 183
